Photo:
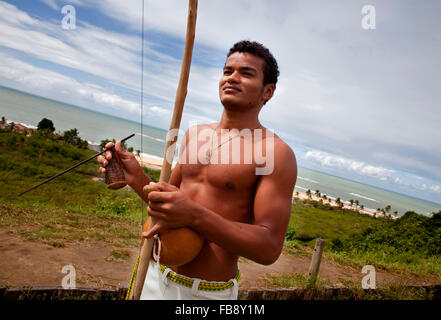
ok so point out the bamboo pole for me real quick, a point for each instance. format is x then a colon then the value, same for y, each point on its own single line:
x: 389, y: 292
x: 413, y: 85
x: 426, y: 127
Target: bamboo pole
x: 316, y: 259
x: 181, y: 93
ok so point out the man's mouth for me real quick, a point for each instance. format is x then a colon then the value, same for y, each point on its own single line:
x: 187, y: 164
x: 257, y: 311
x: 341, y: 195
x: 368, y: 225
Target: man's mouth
x: 231, y: 88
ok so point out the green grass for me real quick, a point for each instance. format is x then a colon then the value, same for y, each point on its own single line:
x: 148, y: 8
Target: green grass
x: 26, y: 161
x: 55, y: 226
x: 118, y: 255
x: 308, y: 223
x: 321, y: 289
x: 74, y: 207
x: 298, y: 280
x: 406, y: 246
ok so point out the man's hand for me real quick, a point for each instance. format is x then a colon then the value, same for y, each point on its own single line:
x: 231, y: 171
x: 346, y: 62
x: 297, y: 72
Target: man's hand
x: 170, y: 207
x: 130, y: 165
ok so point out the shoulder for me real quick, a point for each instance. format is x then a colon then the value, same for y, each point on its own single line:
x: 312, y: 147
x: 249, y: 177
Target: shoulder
x: 282, y: 151
x: 193, y: 131
x: 283, y: 157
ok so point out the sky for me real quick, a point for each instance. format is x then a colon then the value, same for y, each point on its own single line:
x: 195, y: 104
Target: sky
x: 358, y: 94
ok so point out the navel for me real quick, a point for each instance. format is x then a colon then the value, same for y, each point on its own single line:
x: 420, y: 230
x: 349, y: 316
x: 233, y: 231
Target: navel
x: 230, y: 186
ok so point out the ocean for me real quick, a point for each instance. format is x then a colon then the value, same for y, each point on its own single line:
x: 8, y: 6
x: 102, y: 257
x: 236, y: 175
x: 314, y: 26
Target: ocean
x: 371, y: 197
x: 21, y: 107
x: 29, y: 109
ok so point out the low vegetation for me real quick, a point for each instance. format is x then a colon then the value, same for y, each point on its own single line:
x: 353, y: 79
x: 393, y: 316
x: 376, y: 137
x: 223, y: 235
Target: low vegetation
x: 409, y: 245
x: 76, y: 206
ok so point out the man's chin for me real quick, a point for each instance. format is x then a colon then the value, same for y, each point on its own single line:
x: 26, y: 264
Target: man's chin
x: 230, y: 103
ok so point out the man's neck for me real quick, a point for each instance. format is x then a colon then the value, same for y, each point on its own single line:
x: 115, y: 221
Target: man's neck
x: 239, y: 120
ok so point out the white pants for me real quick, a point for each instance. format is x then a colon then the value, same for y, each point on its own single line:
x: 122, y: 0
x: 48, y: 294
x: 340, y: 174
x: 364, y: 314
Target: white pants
x: 158, y: 287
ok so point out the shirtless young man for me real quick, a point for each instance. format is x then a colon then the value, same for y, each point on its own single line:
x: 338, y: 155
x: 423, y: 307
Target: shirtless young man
x: 238, y: 212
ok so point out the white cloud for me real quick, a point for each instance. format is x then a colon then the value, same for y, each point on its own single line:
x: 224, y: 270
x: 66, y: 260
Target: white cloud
x: 333, y: 161
x: 159, y: 110
x: 45, y: 82
x: 51, y: 3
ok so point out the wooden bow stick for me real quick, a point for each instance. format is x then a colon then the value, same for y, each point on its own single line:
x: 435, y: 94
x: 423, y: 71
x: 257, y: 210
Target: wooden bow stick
x: 181, y: 93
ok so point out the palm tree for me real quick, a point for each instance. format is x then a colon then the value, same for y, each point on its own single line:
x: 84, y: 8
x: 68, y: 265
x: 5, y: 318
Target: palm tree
x: 387, y: 208
x: 356, y: 204
x: 352, y: 202
x: 308, y: 193
x: 317, y: 193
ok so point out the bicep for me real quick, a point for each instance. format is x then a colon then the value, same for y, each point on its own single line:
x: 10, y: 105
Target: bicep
x: 273, y: 199
x: 176, y: 176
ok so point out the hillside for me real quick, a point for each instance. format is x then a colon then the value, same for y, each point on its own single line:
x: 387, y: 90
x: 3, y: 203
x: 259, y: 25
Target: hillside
x: 77, y: 211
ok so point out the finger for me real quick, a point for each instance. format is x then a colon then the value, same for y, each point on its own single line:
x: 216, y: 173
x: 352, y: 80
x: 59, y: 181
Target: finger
x: 108, y: 155
x: 167, y: 187
x: 102, y: 170
x: 102, y: 160
x: 157, y: 196
x: 108, y: 145
x: 123, y: 154
x: 157, y: 228
x: 118, y: 147
x: 156, y: 214
x: 159, y: 206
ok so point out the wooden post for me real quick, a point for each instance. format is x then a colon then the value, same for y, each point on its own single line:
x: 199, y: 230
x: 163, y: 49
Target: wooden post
x: 316, y: 259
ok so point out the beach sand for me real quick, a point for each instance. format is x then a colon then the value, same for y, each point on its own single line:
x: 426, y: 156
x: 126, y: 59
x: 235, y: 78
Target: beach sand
x: 151, y: 163
x: 304, y: 196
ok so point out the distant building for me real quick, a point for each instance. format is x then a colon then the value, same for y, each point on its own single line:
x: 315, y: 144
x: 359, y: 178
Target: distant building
x: 17, y: 127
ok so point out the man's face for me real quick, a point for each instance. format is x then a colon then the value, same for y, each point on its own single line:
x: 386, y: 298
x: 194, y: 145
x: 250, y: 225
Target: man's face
x: 241, y: 86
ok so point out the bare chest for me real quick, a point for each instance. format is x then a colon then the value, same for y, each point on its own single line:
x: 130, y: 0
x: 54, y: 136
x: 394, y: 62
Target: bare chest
x: 238, y: 178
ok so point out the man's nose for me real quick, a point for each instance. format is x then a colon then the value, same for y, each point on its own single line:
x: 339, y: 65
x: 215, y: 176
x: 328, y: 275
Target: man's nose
x: 233, y: 77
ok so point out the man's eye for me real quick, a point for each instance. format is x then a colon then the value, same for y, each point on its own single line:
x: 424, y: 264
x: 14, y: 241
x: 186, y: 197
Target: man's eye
x: 227, y: 72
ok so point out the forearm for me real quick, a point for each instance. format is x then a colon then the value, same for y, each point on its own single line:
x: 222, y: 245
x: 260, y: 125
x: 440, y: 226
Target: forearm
x: 138, y: 184
x: 255, y: 242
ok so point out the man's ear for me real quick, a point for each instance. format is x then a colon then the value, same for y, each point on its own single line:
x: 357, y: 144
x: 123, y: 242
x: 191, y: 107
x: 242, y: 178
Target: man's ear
x: 268, y: 91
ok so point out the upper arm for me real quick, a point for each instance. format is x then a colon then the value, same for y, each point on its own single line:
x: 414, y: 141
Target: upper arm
x: 273, y: 199
x: 176, y: 175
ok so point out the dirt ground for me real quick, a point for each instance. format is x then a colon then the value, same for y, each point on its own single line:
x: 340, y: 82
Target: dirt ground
x: 37, y: 264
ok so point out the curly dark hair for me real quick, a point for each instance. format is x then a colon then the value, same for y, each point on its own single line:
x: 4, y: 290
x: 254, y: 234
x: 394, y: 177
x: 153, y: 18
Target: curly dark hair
x: 270, y: 69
